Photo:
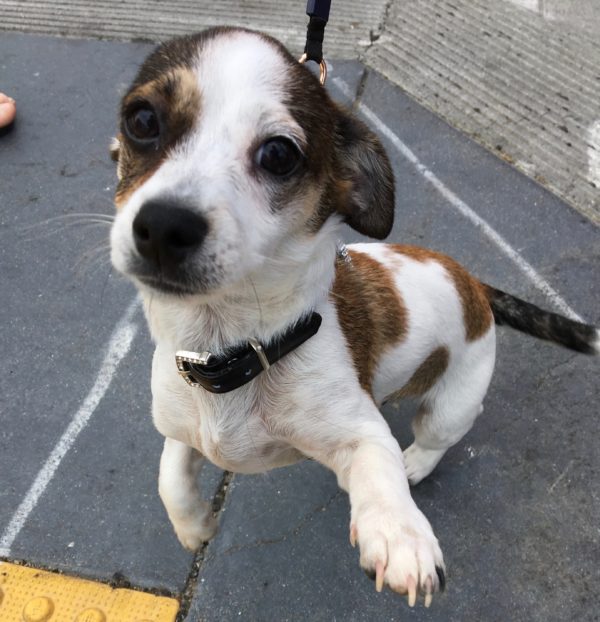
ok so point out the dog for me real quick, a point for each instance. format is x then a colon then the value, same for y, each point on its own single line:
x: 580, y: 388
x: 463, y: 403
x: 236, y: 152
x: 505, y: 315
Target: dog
x: 236, y: 172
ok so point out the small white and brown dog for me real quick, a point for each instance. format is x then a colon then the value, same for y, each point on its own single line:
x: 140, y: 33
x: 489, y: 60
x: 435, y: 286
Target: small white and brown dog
x: 236, y: 171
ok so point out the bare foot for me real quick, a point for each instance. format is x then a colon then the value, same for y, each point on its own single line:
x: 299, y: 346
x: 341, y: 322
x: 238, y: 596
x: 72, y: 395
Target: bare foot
x: 8, y: 110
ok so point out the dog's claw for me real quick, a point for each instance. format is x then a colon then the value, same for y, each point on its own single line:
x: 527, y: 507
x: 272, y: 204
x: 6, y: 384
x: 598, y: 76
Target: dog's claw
x: 441, y: 577
x: 353, y: 535
x: 379, y: 570
x: 370, y: 573
x: 411, y: 585
x: 428, y: 592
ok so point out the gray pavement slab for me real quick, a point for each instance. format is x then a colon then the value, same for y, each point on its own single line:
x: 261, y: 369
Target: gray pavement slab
x: 514, y: 504
x: 576, y: 15
x: 524, y: 83
x: 59, y: 301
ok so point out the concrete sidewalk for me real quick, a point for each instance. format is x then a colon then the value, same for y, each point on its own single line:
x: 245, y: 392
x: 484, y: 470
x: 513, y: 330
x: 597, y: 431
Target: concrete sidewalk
x: 515, y: 504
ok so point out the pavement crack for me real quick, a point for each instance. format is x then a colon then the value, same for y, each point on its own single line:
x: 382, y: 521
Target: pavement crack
x: 560, y: 477
x: 360, y: 89
x: 191, y: 583
x: 375, y: 33
x: 550, y: 373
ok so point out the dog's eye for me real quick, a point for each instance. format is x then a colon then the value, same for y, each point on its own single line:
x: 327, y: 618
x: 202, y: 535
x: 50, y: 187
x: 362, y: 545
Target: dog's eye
x: 278, y: 156
x: 142, y: 124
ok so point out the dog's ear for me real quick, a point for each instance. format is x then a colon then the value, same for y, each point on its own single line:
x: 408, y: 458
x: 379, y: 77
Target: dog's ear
x: 364, y: 179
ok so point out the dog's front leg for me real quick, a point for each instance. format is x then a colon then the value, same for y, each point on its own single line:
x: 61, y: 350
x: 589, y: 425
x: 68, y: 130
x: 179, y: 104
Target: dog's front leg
x: 190, y: 515
x: 397, y: 544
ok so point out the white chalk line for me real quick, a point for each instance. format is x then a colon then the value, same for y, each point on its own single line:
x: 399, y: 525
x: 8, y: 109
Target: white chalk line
x: 530, y: 272
x: 118, y: 347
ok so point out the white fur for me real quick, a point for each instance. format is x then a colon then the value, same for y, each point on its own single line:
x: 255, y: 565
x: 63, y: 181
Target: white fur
x: 209, y: 169
x: 266, y: 274
x: 435, y: 319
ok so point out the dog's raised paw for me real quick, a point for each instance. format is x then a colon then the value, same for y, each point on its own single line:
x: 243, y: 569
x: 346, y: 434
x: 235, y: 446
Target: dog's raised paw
x: 419, y: 462
x: 195, y: 531
x: 398, y: 549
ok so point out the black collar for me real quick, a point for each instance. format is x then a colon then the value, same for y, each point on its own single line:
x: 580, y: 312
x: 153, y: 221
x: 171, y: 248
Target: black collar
x: 220, y: 374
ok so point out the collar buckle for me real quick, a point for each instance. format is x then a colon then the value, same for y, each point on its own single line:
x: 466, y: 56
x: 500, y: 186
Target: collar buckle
x: 260, y: 352
x: 184, y: 358
x: 221, y: 373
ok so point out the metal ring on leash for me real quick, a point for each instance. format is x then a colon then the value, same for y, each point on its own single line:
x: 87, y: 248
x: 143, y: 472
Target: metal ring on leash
x: 322, y: 68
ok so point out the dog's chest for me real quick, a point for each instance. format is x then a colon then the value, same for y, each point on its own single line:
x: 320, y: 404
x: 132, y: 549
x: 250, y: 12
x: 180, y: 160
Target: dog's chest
x: 240, y: 442
x: 232, y: 431
x: 237, y: 431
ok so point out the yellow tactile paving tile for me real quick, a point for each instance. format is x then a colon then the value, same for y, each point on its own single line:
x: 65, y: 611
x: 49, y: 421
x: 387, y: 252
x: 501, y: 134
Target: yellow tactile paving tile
x: 31, y: 595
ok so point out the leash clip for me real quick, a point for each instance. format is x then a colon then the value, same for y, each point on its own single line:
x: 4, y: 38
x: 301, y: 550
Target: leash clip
x: 318, y: 12
x: 322, y: 68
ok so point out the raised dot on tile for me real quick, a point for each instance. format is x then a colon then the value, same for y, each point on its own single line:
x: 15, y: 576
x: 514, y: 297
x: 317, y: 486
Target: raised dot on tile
x: 38, y: 609
x: 91, y: 615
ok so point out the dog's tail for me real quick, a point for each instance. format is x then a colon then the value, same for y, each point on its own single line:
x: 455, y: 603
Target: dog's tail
x: 527, y: 318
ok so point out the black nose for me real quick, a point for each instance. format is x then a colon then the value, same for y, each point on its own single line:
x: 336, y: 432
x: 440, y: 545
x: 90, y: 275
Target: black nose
x: 166, y: 233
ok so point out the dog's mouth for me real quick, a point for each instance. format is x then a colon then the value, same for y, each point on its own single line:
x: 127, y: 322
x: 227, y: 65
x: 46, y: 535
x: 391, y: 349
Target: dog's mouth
x: 165, y: 286
x: 164, y: 279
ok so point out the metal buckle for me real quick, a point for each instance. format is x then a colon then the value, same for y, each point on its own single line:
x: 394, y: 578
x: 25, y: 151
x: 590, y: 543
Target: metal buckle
x: 322, y: 68
x: 342, y: 253
x: 183, y: 358
x: 262, y: 357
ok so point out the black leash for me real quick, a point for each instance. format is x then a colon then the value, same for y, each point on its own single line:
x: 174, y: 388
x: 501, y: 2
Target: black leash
x: 318, y: 12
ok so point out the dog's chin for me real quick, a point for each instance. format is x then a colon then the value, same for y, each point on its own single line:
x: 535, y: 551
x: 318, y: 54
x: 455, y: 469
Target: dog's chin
x: 181, y: 282
x: 205, y: 282
x: 159, y: 285
x: 185, y: 285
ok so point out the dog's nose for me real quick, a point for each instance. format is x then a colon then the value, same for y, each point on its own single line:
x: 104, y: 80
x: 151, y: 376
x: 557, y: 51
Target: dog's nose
x: 167, y: 233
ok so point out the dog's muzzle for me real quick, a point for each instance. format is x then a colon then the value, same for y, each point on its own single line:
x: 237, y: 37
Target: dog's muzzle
x: 168, y: 239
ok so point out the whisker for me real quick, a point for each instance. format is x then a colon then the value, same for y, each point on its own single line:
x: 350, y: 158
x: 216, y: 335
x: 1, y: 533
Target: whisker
x: 75, y: 215
x: 58, y: 224
x: 105, y: 283
x: 98, y: 255
x: 260, y: 317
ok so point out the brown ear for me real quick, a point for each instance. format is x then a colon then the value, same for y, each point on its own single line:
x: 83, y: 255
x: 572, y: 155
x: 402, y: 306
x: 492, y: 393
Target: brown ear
x: 365, y: 179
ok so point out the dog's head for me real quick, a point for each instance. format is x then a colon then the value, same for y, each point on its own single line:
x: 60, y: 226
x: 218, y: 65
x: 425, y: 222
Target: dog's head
x: 228, y: 150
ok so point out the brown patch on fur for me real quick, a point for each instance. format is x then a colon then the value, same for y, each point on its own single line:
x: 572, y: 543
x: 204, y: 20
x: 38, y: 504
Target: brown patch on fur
x: 426, y: 375
x: 124, y: 191
x: 343, y: 157
x: 175, y: 98
x: 360, y: 181
x: 370, y: 311
x: 477, y: 314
